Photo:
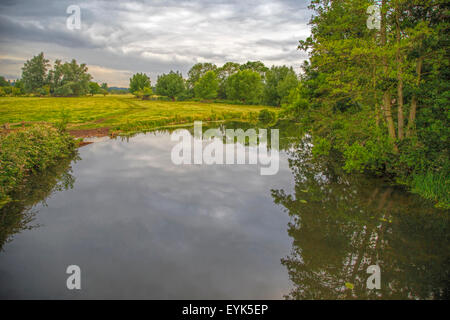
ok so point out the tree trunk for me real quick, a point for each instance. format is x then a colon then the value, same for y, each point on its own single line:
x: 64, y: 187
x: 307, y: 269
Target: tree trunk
x: 400, y: 119
x: 388, y: 115
x: 387, y: 95
x: 413, y: 110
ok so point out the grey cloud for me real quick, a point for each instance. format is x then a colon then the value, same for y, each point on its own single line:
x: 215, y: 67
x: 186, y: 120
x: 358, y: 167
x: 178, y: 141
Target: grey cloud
x: 158, y: 35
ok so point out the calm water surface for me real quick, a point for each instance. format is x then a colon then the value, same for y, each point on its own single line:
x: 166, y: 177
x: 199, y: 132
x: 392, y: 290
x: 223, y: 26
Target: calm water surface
x: 140, y: 227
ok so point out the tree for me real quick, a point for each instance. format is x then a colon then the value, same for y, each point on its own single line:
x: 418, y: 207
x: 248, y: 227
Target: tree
x: 245, y: 86
x: 34, y: 73
x: 198, y: 71
x: 256, y: 66
x: 223, y: 73
x: 279, y: 83
x: 171, y: 85
x: 94, y: 88
x: 207, y: 86
x: 139, y: 81
x: 378, y: 96
x: 3, y: 82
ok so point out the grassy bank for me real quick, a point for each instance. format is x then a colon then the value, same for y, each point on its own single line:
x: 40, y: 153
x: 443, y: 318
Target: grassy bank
x: 121, y: 113
x: 433, y: 186
x: 27, y: 151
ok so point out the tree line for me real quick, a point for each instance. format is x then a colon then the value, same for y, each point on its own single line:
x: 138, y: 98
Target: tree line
x: 249, y: 83
x: 66, y: 79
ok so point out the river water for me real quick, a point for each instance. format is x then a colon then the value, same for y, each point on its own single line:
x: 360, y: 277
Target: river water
x: 139, y: 226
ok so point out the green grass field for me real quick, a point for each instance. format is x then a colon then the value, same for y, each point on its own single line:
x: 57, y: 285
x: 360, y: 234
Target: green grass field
x: 117, y: 112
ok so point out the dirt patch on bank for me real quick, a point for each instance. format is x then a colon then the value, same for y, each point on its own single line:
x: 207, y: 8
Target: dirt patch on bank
x: 87, y: 133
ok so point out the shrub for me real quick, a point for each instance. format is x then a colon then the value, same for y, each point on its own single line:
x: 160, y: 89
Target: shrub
x: 266, y: 116
x: 27, y: 151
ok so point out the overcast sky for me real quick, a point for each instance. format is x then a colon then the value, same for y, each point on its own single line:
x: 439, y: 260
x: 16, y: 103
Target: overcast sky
x: 119, y: 38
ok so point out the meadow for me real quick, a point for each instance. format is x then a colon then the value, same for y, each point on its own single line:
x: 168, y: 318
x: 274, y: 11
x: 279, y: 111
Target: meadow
x: 118, y: 113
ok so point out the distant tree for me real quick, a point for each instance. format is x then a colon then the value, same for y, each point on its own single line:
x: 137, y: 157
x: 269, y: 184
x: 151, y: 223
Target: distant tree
x: 207, y: 86
x: 94, y: 88
x: 223, y: 73
x: 245, y: 86
x: 19, y: 85
x: 171, y: 85
x: 34, y: 73
x: 4, y: 82
x: 44, y: 91
x: 17, y: 92
x: 147, y: 92
x: 69, y: 79
x: 198, y: 71
x: 256, y: 66
x: 64, y: 90
x: 279, y: 83
x: 138, y: 82
x: 104, y: 86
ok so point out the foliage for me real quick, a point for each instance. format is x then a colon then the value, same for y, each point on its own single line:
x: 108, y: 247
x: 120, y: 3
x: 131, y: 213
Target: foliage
x: 280, y: 81
x: 27, y: 151
x: 207, y: 86
x: 138, y: 82
x: 34, y: 73
x: 94, y: 88
x: 198, y: 71
x: 256, y: 66
x: 433, y: 186
x: 69, y: 79
x: 266, y: 116
x: 171, y: 85
x: 245, y: 86
x: 378, y: 98
x: 3, y: 82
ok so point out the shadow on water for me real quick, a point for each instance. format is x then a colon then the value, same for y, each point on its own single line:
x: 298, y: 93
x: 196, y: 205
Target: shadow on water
x: 341, y: 224
x: 19, y: 214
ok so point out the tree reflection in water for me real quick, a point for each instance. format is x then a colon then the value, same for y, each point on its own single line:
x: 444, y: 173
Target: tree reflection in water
x: 19, y: 214
x: 341, y: 224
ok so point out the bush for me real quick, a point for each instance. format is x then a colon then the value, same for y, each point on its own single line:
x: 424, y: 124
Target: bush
x: 266, y: 116
x: 27, y: 151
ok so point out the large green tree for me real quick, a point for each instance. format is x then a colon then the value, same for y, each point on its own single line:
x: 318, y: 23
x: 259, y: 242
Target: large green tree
x: 223, y: 73
x: 34, y: 73
x: 245, y: 86
x: 3, y: 82
x: 207, y: 86
x: 138, y: 82
x: 197, y: 71
x: 256, y: 66
x: 69, y: 79
x: 279, y: 83
x: 171, y: 85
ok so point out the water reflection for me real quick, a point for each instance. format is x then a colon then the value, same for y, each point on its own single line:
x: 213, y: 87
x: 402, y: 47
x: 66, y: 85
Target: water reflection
x: 141, y: 227
x: 19, y: 214
x: 341, y: 224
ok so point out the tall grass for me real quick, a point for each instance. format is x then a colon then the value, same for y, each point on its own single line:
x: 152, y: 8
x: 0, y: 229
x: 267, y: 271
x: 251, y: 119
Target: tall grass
x: 433, y: 186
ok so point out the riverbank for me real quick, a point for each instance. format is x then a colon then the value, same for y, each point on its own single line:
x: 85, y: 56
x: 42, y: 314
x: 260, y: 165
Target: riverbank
x: 26, y: 151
